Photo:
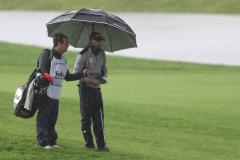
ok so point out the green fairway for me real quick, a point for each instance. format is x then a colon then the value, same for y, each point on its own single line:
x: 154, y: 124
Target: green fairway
x: 154, y: 110
x: 203, y: 6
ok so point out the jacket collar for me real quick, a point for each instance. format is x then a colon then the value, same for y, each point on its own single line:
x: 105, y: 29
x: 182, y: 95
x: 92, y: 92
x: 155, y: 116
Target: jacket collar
x: 56, y: 54
x: 95, y: 51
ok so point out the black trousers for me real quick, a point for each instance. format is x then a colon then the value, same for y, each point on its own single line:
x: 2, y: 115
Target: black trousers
x: 91, y: 108
x: 46, y: 120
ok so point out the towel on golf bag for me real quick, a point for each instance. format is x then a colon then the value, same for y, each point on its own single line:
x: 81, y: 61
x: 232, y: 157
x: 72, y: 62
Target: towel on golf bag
x: 28, y: 97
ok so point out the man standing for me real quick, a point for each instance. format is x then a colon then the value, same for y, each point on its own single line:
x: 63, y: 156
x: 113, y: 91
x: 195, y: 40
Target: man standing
x: 53, y: 63
x: 93, y: 59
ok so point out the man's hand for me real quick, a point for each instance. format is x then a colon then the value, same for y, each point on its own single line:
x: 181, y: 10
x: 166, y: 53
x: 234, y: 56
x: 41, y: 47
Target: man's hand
x: 94, y: 82
x: 86, y: 72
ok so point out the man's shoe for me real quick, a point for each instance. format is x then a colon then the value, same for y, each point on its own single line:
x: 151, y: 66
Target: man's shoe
x: 48, y: 147
x: 56, y: 146
x: 90, y: 146
x: 105, y: 149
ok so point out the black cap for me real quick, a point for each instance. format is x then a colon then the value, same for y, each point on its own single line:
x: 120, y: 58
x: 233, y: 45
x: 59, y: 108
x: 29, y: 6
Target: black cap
x: 97, y: 36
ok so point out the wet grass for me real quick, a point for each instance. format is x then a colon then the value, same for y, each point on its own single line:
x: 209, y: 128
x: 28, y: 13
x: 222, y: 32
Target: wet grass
x: 199, y: 6
x: 154, y: 110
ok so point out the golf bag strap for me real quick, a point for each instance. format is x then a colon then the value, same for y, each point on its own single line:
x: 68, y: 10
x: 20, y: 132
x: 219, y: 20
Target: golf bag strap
x: 50, y: 57
x: 82, y: 52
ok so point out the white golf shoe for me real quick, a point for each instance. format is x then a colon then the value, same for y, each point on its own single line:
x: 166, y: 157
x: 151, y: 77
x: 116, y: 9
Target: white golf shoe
x: 56, y: 146
x: 48, y: 147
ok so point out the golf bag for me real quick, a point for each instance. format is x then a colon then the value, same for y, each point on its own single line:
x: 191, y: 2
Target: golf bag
x: 29, y: 96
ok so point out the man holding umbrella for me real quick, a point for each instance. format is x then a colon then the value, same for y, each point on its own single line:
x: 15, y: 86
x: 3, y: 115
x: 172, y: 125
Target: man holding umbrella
x: 118, y: 35
x: 92, y: 58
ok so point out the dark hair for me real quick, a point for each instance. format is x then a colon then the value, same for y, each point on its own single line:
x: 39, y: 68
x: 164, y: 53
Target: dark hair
x: 97, y: 36
x: 58, y: 37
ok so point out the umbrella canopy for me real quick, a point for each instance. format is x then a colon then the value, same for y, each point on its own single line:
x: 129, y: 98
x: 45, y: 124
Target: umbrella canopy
x: 78, y: 25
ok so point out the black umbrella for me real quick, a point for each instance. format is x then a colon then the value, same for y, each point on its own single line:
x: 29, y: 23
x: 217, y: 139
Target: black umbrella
x: 78, y: 25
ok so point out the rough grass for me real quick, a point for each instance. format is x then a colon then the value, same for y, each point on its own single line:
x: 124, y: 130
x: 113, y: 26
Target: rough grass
x: 154, y: 110
x: 203, y: 6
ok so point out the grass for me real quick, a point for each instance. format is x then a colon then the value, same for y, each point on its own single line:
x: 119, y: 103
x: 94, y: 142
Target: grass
x: 154, y: 110
x: 202, y: 6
